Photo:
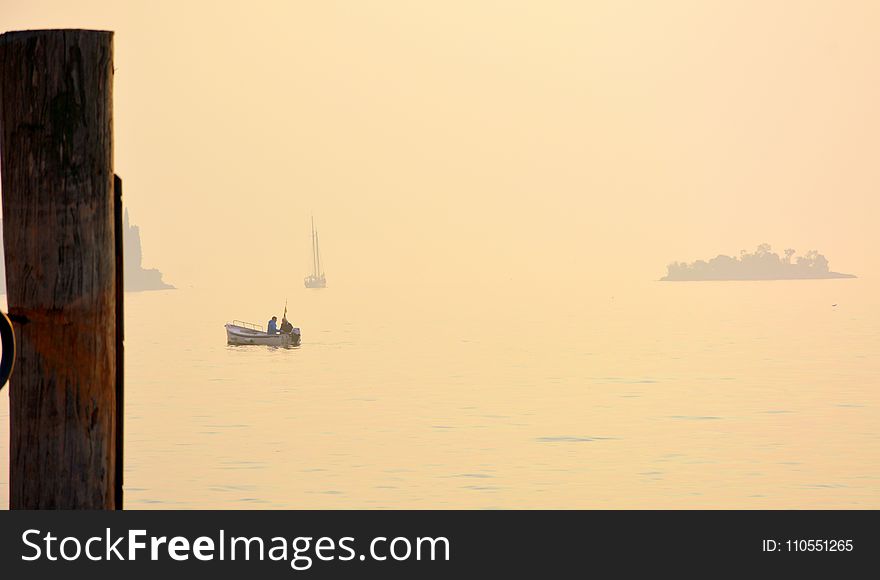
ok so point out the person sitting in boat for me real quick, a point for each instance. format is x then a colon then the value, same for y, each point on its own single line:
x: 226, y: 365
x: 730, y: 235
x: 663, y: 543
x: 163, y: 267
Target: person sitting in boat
x: 286, y: 326
x: 272, y: 327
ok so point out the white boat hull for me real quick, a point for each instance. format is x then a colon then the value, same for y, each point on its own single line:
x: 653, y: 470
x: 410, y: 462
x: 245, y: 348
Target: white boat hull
x: 241, y: 335
x: 315, y: 281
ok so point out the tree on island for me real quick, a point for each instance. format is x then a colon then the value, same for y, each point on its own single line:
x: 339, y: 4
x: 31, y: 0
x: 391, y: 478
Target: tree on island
x: 762, y: 264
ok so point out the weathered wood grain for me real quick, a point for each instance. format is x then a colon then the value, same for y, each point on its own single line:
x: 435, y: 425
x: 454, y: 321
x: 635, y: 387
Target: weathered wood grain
x: 56, y: 165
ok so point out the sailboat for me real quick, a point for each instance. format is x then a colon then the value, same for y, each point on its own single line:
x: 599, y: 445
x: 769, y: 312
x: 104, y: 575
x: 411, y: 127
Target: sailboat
x: 316, y: 279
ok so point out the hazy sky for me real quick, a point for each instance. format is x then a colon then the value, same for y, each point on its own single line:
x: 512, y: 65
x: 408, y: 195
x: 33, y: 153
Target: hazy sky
x: 458, y: 140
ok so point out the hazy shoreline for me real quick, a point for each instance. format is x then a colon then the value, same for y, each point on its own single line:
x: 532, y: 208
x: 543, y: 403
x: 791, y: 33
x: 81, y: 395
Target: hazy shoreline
x: 762, y: 264
x: 828, y: 276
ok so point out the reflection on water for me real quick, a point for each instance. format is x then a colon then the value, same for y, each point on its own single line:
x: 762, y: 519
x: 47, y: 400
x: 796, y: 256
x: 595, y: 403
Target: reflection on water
x: 741, y: 395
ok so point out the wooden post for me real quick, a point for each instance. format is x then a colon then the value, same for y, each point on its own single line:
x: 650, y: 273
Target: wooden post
x: 120, y: 334
x: 56, y: 165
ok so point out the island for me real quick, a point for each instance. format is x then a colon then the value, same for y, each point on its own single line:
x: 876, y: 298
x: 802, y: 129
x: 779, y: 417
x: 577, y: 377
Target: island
x: 136, y: 277
x: 762, y: 264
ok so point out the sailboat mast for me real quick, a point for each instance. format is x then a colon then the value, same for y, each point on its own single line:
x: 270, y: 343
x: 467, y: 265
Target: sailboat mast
x: 318, y: 253
x: 314, y: 250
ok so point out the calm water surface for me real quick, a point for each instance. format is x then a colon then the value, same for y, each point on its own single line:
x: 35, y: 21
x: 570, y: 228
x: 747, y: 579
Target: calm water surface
x: 657, y: 395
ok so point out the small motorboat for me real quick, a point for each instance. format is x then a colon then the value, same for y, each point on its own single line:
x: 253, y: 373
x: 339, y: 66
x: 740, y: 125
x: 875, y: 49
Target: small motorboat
x: 239, y: 332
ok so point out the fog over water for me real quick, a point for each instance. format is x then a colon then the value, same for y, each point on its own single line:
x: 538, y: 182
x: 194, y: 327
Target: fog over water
x: 498, y: 188
x: 740, y: 395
